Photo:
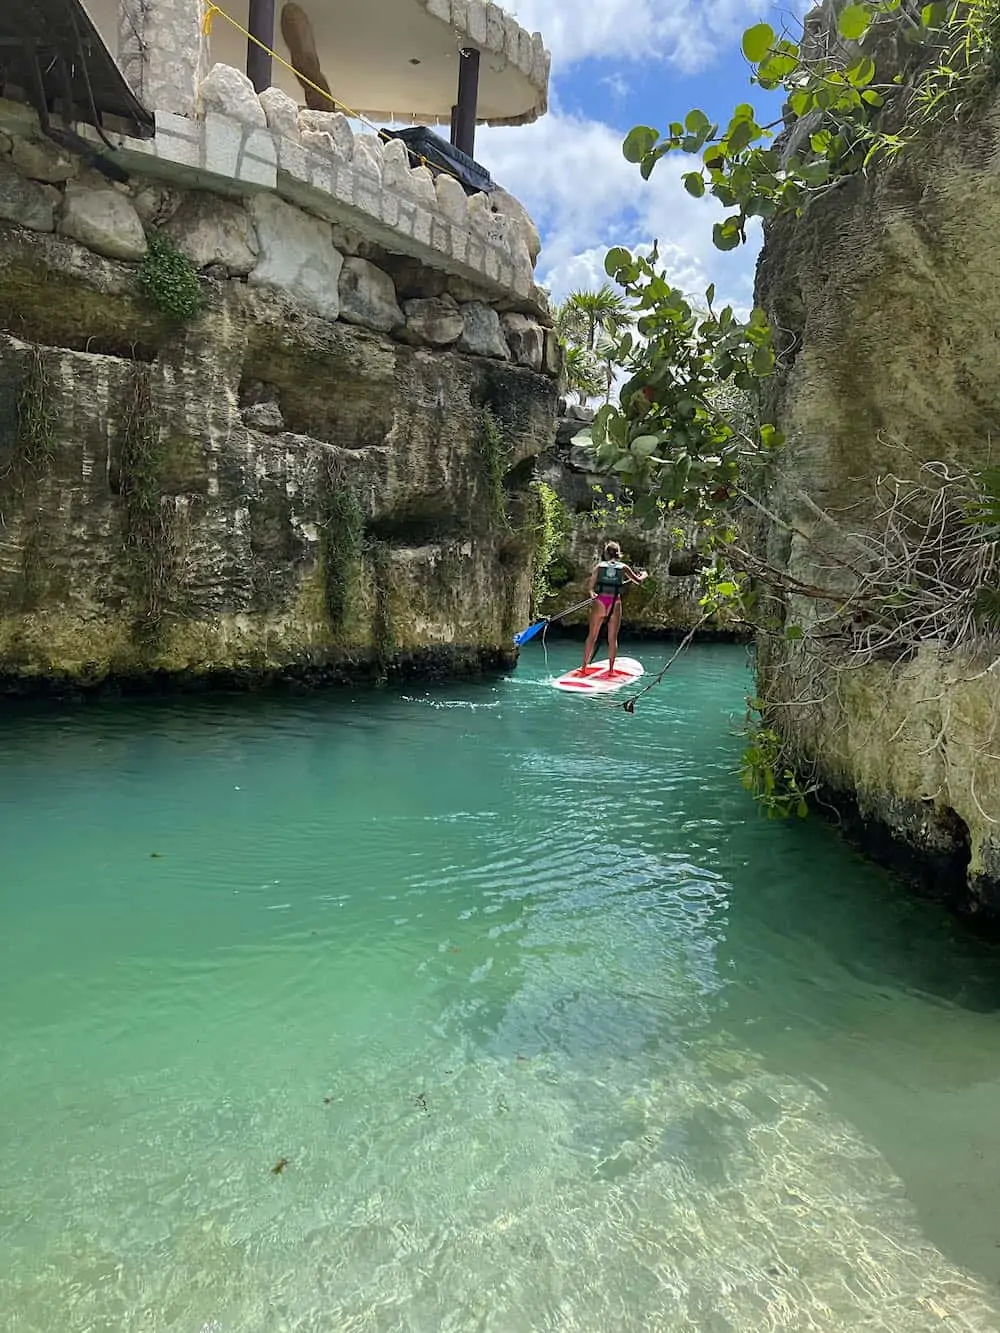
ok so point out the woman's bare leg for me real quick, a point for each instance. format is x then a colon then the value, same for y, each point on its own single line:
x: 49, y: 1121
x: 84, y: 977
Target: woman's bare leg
x: 597, y: 614
x: 613, y: 626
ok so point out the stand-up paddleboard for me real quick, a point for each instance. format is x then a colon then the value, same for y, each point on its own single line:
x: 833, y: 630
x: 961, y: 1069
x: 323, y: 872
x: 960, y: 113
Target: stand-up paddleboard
x: 596, y: 678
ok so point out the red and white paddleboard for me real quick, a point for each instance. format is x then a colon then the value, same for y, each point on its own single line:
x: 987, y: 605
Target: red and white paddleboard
x: 597, y: 679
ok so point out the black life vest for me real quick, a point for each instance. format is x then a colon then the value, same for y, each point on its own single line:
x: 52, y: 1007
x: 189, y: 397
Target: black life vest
x: 610, y: 578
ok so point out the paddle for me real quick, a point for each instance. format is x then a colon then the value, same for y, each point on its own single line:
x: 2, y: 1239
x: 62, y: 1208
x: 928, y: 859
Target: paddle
x: 539, y: 625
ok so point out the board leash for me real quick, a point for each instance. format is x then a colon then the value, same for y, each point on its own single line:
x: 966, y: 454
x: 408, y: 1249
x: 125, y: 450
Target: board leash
x: 630, y: 702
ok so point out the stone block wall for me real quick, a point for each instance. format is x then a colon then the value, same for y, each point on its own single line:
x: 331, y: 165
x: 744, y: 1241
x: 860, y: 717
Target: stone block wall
x: 314, y: 159
x: 257, y: 235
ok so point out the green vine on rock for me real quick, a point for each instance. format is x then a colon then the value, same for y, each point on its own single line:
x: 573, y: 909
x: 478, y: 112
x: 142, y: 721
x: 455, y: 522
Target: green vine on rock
x: 496, y: 453
x: 551, y: 531
x: 27, y: 430
x: 383, y: 628
x: 29, y: 443
x: 767, y: 772
x: 148, y: 526
x: 341, y: 538
x: 169, y: 281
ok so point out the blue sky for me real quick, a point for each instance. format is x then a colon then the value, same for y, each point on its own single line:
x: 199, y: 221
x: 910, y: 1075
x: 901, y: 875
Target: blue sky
x: 615, y: 64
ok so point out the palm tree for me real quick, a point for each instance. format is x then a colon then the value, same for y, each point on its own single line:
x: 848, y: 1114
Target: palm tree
x: 585, y: 315
x: 584, y: 376
x: 589, y: 324
x: 606, y: 353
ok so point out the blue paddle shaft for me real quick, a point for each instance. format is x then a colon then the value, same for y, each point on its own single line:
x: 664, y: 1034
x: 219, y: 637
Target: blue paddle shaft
x: 525, y: 634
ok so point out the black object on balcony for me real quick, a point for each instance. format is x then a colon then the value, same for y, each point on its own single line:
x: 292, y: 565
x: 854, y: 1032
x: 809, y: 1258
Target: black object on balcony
x: 441, y: 156
x: 51, y: 51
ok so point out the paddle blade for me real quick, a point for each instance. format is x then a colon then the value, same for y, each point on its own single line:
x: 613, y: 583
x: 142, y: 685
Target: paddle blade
x: 529, y: 633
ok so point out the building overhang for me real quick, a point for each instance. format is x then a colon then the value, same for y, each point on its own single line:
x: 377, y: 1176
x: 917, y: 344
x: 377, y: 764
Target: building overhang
x: 398, y: 61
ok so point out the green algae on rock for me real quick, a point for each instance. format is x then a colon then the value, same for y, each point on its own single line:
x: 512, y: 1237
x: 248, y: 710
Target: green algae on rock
x: 184, y: 537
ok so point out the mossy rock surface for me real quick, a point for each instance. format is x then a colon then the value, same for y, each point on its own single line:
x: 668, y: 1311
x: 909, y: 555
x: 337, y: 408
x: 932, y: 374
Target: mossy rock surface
x: 156, y: 535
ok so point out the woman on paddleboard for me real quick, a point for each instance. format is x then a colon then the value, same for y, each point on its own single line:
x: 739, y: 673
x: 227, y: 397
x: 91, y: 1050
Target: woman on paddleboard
x: 605, y: 586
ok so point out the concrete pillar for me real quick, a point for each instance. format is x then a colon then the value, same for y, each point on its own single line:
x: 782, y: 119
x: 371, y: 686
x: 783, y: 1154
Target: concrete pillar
x: 163, y: 52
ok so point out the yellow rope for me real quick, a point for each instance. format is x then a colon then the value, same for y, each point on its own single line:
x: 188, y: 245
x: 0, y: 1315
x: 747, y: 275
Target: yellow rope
x: 210, y: 15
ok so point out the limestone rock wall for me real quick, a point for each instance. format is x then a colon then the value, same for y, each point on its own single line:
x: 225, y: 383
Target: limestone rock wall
x: 594, y: 513
x: 885, y: 296
x: 324, y: 474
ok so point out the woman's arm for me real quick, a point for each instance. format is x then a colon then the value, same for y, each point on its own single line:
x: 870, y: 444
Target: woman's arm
x: 635, y: 577
x: 592, y: 580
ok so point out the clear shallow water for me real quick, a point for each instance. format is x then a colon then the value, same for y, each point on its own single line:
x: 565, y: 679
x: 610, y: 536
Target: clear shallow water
x: 553, y: 1031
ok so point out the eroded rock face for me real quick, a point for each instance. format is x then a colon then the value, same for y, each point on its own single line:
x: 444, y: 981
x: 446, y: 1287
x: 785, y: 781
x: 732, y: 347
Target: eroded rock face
x: 297, y: 255
x: 188, y: 515
x: 210, y: 230
x: 368, y: 297
x: 103, y: 220
x: 24, y: 201
x: 885, y: 293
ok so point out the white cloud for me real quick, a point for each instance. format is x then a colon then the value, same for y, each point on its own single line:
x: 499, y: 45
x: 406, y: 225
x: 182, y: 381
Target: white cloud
x: 569, y: 171
x: 617, y: 85
x: 572, y: 177
x: 685, y: 32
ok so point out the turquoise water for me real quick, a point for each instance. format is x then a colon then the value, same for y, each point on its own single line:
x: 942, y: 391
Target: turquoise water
x: 550, y: 1029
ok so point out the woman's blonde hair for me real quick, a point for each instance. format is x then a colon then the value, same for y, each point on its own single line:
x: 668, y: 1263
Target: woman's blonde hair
x: 612, y: 551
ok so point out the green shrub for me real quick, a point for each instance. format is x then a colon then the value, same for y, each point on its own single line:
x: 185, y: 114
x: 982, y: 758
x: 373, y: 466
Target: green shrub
x: 341, y: 547
x: 169, y: 281
x: 553, y: 526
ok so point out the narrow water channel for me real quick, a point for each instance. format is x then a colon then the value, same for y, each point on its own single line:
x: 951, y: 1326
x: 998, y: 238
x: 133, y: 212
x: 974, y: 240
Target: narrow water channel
x: 477, y: 1009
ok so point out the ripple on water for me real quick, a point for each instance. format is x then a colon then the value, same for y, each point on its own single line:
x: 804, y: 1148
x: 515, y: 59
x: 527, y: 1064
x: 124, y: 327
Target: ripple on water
x: 475, y: 1011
